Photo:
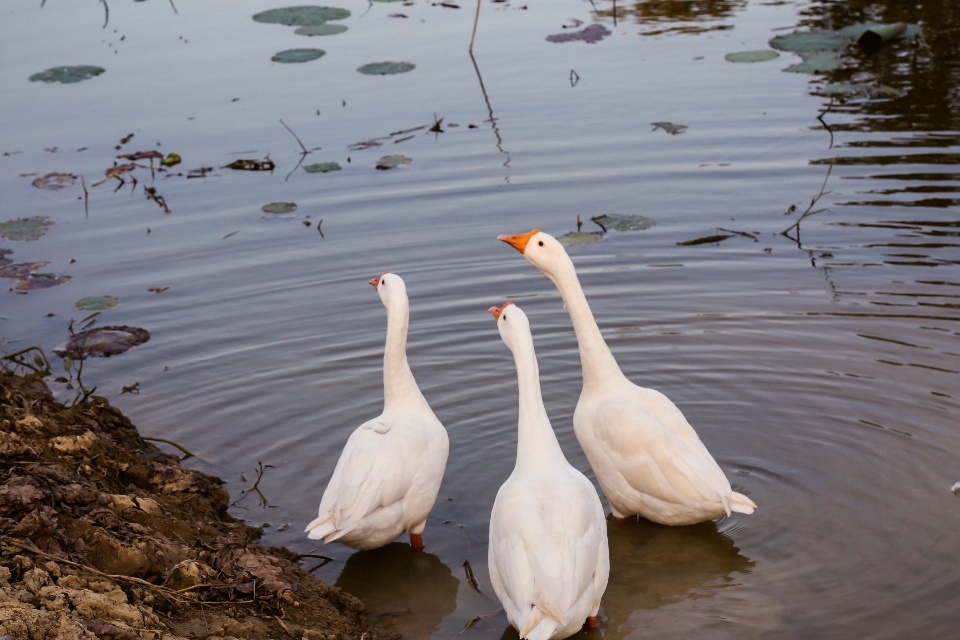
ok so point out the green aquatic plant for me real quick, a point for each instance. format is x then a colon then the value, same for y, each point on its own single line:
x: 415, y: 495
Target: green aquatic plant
x: 751, y: 56
x: 302, y: 16
x: 67, y: 75
x: 96, y: 303
x: 298, y: 55
x: 25, y: 228
x: 279, y: 207
x: 322, y: 167
x: 321, y: 30
x: 386, y: 68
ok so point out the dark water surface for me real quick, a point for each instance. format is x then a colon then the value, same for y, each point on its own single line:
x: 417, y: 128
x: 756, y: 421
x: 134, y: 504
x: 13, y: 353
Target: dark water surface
x: 821, y: 371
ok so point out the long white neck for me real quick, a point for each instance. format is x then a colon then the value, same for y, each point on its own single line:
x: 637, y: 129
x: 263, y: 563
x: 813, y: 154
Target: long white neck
x: 400, y: 390
x: 537, y: 444
x: 597, y: 361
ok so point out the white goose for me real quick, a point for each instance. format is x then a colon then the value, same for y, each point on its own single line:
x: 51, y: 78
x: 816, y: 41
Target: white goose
x: 389, y: 472
x: 548, y: 554
x: 647, y: 458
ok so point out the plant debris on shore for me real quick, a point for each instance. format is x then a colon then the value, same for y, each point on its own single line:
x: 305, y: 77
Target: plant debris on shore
x: 104, y: 535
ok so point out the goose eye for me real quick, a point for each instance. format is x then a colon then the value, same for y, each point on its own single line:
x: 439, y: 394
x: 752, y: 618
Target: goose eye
x: 504, y: 316
x: 540, y: 243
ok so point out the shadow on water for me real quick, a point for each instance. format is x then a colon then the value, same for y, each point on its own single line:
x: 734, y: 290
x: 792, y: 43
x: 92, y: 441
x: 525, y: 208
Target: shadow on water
x: 652, y: 565
x: 404, y: 591
x: 672, y: 16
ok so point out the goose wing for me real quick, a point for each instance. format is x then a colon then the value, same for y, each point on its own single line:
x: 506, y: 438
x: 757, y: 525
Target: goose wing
x: 376, y: 469
x: 654, y: 459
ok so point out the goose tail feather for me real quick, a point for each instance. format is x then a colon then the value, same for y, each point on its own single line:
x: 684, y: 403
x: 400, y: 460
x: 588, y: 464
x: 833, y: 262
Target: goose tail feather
x: 741, y: 503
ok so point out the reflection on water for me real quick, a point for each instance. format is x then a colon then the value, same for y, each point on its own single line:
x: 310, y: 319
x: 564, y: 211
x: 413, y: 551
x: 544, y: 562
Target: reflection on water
x: 405, y: 591
x: 681, y: 16
x: 652, y: 565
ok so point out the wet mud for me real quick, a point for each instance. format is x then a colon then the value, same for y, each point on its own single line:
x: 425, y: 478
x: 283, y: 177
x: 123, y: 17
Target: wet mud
x: 102, y: 535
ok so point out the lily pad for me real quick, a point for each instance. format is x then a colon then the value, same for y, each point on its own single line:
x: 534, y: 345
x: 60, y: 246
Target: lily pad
x: 37, y: 281
x: 389, y: 162
x: 801, y: 41
x: 102, y: 342
x: 719, y: 237
x: 25, y: 228
x: 21, y: 271
x: 298, y: 55
x: 54, y: 181
x: 855, y: 31
x: 96, y: 303
x: 279, y: 207
x: 817, y: 62
x: 579, y: 237
x: 751, y: 56
x: 591, y: 35
x: 302, y: 16
x: 67, y: 75
x: 623, y: 222
x: 171, y: 160
x: 849, y: 89
x: 321, y: 30
x: 322, y: 167
x: 386, y: 68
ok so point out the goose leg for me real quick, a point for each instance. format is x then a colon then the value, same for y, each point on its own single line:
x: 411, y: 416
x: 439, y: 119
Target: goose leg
x: 591, y: 622
x: 416, y: 541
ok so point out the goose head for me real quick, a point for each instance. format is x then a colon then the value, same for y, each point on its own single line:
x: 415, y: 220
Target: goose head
x: 391, y: 288
x: 542, y: 250
x: 512, y: 323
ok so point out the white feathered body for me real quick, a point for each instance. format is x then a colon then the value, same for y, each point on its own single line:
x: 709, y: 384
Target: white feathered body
x: 548, y: 554
x: 385, y: 482
x: 648, y: 459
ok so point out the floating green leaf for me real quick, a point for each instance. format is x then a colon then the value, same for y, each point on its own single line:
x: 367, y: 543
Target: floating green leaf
x: 386, y: 68
x: 279, y: 207
x: 53, y: 181
x: 302, y: 16
x: 849, y: 89
x: 855, y: 31
x: 25, y: 228
x: 322, y: 167
x: 67, y: 75
x: 719, y: 237
x: 96, y: 303
x: 800, y: 41
x: 245, y: 164
x: 752, y: 56
x: 172, y: 159
x: 298, y: 55
x: 321, y: 30
x: 623, y: 222
x: 817, y: 62
x: 102, y: 342
x: 389, y: 162
x: 579, y: 237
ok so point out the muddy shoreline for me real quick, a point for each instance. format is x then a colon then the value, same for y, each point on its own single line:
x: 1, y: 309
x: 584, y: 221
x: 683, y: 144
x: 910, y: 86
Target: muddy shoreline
x: 103, y: 535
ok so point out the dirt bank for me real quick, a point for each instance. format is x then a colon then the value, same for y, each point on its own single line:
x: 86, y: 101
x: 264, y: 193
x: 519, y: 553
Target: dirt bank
x: 102, y: 535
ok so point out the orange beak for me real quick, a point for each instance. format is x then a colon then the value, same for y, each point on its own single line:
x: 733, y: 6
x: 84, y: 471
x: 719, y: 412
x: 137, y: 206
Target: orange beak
x: 376, y: 281
x: 519, y: 242
x: 497, y: 311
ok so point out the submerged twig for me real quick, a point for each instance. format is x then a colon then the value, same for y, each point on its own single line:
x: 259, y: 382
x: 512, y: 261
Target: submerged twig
x: 86, y: 197
x: 302, y: 146
x: 106, y: 11
x: 493, y: 120
x: 476, y: 19
x: 474, y: 620
x: 187, y: 452
x: 469, y: 571
x: 261, y: 468
x: 823, y: 122
x: 813, y: 203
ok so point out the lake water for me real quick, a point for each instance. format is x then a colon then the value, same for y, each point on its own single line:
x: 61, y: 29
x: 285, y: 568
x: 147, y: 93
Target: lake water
x: 820, y: 371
